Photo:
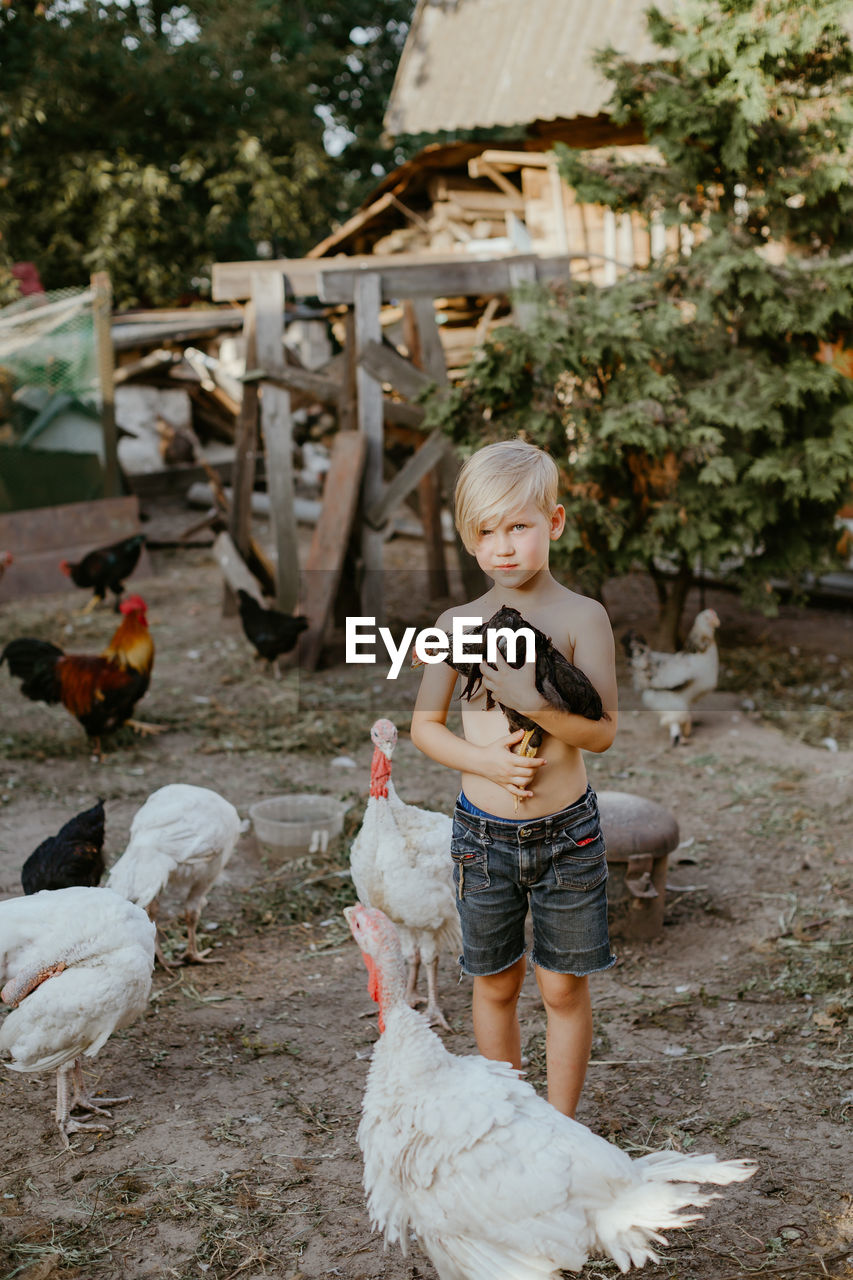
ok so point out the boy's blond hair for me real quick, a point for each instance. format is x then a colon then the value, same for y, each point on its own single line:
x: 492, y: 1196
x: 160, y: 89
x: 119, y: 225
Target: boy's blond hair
x: 499, y: 478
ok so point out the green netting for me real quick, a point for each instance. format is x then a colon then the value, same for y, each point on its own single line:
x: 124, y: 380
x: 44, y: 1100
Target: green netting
x: 47, y: 344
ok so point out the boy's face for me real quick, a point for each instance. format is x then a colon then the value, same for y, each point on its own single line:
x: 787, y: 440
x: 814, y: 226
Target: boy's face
x: 516, y: 546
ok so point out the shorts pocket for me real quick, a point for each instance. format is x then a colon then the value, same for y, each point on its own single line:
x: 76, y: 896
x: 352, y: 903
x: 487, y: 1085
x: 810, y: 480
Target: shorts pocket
x: 580, y: 856
x: 470, y: 863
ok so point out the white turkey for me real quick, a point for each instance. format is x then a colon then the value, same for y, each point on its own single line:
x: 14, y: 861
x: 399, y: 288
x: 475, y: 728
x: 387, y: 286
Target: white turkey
x: 493, y: 1180
x: 400, y: 862
x: 75, y: 965
x: 182, y: 837
x: 669, y: 683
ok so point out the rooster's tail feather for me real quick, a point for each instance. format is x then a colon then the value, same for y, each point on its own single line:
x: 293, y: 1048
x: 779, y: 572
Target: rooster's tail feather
x: 33, y: 662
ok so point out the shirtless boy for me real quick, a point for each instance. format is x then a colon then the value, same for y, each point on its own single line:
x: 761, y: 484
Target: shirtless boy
x: 525, y: 830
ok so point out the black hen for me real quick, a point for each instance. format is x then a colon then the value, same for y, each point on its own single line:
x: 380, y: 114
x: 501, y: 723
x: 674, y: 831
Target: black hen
x: 75, y: 856
x: 559, y: 681
x: 270, y: 631
x: 106, y: 568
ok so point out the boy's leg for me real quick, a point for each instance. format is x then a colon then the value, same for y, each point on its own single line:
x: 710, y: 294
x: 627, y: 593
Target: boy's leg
x: 494, y: 1007
x: 569, y: 1036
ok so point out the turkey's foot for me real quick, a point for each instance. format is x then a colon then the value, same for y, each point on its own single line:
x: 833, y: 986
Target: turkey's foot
x: 200, y: 957
x: 70, y: 1125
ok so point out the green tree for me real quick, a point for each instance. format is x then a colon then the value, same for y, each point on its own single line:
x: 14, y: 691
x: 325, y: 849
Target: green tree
x: 151, y: 139
x: 694, y: 406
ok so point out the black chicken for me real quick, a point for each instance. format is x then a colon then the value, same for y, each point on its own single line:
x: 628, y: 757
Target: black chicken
x: 106, y: 568
x: 270, y: 631
x: 75, y: 856
x: 559, y: 681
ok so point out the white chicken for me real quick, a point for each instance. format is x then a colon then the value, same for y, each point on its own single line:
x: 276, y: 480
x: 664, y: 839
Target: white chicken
x: 75, y: 965
x: 181, y: 837
x: 400, y: 862
x: 669, y: 683
x: 493, y: 1180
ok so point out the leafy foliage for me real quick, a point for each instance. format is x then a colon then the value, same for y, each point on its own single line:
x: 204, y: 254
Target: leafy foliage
x: 150, y: 139
x: 695, y: 407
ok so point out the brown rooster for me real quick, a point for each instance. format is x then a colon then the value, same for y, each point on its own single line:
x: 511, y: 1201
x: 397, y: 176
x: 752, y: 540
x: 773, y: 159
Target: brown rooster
x: 100, y: 690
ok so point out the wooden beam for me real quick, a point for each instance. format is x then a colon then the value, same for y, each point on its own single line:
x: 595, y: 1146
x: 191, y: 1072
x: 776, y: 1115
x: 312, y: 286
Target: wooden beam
x: 329, y: 542
x: 385, y: 364
x: 102, y: 307
x: 465, y: 274
x: 428, y: 352
x: 329, y: 391
x: 521, y: 274
x: 277, y: 427
x: 246, y: 445
x: 368, y: 329
x: 422, y: 461
x: 232, y: 281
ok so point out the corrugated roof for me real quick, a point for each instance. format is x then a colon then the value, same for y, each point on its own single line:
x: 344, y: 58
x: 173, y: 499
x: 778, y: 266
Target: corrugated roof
x: 481, y: 63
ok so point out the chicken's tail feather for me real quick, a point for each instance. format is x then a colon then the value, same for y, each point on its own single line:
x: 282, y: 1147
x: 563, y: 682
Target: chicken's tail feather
x: 33, y: 662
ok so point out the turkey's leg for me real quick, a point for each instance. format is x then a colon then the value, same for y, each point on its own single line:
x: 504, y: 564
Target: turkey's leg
x: 414, y: 969
x: 82, y: 1099
x: 64, y: 1120
x: 432, y: 1011
x: 153, y: 910
x: 192, y: 953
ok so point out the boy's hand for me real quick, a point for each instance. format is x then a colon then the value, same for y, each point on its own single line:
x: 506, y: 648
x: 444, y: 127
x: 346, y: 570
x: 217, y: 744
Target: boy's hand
x: 514, y: 688
x: 516, y: 773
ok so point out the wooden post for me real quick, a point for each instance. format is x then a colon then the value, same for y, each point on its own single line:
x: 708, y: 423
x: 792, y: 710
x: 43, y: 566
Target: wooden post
x: 368, y: 297
x: 246, y: 444
x: 520, y: 274
x: 426, y: 351
x: 102, y: 310
x: 277, y: 427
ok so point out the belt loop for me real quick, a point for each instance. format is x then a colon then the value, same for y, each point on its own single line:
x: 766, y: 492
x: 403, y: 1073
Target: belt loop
x: 549, y: 822
x: 484, y: 829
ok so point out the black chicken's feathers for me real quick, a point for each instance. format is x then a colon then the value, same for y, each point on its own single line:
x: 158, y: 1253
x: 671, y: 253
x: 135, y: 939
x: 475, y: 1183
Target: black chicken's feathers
x: 559, y: 681
x: 270, y: 631
x: 74, y: 856
x: 106, y: 568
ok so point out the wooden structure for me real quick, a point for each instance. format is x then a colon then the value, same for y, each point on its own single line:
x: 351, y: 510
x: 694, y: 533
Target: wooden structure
x: 380, y: 385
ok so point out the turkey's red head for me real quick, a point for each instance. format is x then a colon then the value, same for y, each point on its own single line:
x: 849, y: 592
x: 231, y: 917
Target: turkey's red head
x: 383, y: 735
x: 380, y: 951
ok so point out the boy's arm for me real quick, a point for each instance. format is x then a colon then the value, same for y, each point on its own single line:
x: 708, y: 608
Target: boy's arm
x: 431, y: 735
x: 594, y: 654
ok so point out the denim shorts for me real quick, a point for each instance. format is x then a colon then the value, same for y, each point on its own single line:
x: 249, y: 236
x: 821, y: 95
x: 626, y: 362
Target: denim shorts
x: 558, y: 863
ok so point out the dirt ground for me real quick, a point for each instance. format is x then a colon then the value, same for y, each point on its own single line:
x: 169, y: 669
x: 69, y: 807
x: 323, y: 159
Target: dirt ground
x: 237, y: 1154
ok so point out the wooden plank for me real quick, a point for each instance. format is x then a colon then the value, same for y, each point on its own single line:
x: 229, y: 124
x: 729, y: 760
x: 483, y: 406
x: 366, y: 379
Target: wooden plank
x: 232, y: 281
x: 277, y: 427
x: 464, y: 275
x: 234, y: 568
x: 368, y: 328
x: 422, y: 461
x: 387, y: 365
x: 329, y: 391
x: 329, y: 541
x: 428, y: 352
x: 101, y: 308
x: 521, y: 274
x: 246, y: 446
x: 41, y: 537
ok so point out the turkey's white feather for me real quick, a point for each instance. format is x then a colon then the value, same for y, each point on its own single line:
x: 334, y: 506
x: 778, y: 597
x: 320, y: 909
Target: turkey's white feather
x: 492, y: 1179
x: 107, y: 944
x: 182, y: 837
x: 400, y: 863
